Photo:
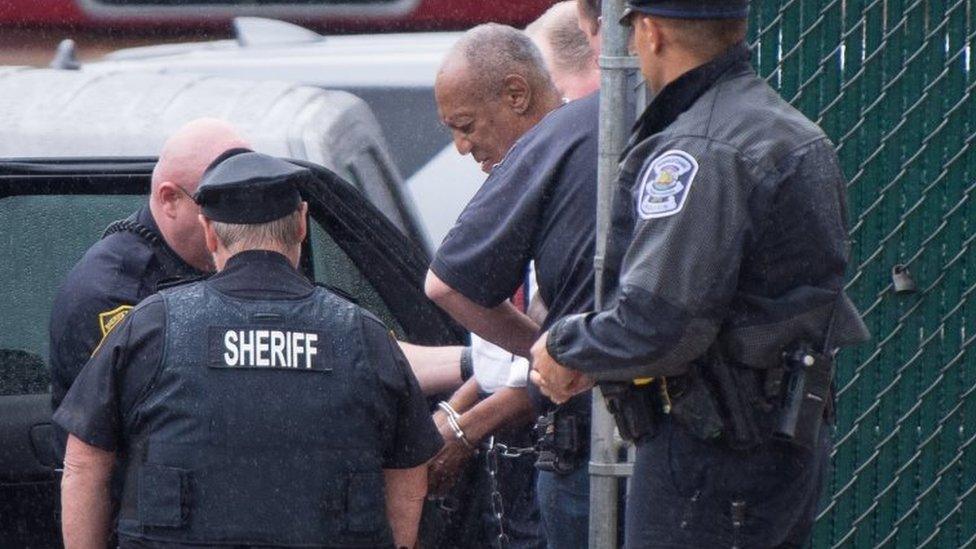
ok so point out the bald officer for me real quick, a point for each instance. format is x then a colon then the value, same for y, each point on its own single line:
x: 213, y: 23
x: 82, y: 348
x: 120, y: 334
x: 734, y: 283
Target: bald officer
x: 162, y: 241
x: 253, y: 408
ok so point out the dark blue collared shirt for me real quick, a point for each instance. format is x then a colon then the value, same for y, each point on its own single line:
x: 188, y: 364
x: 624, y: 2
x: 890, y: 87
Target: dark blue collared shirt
x: 538, y: 204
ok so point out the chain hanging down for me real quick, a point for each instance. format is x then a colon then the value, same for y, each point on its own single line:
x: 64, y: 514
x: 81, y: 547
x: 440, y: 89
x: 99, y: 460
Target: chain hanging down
x: 495, y: 500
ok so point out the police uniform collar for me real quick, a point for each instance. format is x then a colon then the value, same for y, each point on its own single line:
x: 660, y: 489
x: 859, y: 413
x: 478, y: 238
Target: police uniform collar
x: 176, y: 266
x: 251, y: 257
x: 684, y: 91
x: 260, y: 274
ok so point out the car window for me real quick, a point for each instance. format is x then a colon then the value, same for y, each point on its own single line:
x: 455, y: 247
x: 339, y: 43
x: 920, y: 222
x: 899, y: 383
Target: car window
x: 408, y: 117
x: 332, y: 267
x: 41, y: 238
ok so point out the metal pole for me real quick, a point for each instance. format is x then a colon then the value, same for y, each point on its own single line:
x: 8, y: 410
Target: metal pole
x: 604, y: 467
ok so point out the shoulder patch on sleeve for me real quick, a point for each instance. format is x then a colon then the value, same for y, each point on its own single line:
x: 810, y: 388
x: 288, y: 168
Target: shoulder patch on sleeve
x: 665, y: 184
x: 107, y: 320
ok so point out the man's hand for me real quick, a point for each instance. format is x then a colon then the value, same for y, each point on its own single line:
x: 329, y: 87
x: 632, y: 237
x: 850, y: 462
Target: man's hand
x: 446, y: 465
x: 509, y: 406
x: 554, y: 380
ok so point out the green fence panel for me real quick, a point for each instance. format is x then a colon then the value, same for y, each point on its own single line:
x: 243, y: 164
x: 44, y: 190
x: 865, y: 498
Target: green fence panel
x: 892, y: 83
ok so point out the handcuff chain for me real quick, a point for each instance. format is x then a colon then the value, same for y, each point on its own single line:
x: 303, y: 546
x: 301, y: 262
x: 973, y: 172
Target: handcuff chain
x: 495, y: 501
x: 512, y: 452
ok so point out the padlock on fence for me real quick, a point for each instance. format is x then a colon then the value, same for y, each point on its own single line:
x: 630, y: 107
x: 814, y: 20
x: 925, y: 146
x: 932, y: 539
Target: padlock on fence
x: 902, y: 279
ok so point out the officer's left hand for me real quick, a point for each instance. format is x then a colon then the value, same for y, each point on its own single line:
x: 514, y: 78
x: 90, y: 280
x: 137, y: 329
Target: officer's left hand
x: 445, y: 467
x: 554, y: 380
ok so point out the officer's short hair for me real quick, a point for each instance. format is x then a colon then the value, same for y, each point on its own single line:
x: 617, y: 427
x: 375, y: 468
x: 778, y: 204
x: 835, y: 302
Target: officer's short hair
x: 592, y: 8
x: 706, y: 37
x: 282, y: 232
x: 559, y: 28
x: 492, y: 51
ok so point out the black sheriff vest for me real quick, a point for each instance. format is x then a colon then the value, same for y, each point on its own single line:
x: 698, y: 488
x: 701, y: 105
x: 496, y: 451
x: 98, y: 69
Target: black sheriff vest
x: 260, y: 428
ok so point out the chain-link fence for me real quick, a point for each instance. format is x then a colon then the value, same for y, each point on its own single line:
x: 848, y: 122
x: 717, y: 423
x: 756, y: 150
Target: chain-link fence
x: 891, y: 81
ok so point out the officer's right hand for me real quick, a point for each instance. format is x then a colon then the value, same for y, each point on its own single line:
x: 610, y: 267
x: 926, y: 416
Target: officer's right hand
x: 554, y: 380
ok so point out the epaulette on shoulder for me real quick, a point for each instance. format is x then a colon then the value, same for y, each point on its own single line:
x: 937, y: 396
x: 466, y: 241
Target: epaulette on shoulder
x: 339, y: 292
x: 174, y: 281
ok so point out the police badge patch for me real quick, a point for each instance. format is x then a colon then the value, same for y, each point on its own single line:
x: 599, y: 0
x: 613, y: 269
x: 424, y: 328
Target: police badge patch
x: 108, y: 320
x: 664, y: 184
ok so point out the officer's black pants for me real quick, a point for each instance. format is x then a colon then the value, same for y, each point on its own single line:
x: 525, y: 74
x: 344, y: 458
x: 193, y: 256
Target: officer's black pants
x: 689, y: 493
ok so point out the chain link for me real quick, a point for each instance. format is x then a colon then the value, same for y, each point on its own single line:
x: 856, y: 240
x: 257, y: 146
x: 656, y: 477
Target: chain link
x: 497, y: 505
x: 511, y: 452
x: 895, y: 89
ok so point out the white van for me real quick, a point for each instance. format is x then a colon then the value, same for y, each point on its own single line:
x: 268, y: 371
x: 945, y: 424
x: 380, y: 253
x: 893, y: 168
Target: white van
x: 62, y: 113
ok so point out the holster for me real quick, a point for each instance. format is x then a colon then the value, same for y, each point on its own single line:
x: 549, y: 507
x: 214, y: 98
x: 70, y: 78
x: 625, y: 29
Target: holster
x: 694, y: 406
x: 634, y: 408
x: 741, y: 399
x: 560, y: 441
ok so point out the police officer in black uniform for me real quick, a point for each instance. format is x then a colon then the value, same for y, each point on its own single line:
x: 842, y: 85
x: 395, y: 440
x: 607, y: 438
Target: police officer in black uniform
x: 160, y: 242
x: 252, y: 408
x: 730, y: 242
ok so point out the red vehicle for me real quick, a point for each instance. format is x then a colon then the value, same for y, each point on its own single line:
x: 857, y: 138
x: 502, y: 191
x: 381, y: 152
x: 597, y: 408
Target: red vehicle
x: 332, y: 15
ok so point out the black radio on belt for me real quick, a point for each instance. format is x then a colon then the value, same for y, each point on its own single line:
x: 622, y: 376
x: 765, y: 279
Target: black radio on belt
x: 804, y: 396
x: 558, y: 442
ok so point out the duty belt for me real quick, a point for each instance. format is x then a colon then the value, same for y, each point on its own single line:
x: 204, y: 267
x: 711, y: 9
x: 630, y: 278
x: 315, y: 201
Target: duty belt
x: 740, y: 406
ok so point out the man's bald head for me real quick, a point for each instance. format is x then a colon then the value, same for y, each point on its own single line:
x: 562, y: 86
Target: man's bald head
x: 492, y: 87
x: 571, y: 61
x: 193, y: 147
x: 185, y: 156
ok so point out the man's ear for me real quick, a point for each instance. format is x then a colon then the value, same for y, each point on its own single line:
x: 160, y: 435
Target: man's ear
x: 595, y: 25
x: 168, y: 196
x: 517, y: 93
x: 654, y: 33
x: 303, y: 221
x: 209, y: 235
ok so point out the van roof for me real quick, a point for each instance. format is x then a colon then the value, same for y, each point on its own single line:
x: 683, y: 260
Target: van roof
x: 387, y: 60
x: 58, y: 113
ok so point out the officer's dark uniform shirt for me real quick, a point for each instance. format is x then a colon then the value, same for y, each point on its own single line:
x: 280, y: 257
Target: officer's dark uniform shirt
x: 102, y: 408
x: 115, y: 274
x: 539, y: 203
x: 728, y: 215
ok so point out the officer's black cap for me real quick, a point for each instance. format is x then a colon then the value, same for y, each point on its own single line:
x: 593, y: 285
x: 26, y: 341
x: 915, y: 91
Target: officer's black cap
x: 688, y: 9
x: 245, y: 187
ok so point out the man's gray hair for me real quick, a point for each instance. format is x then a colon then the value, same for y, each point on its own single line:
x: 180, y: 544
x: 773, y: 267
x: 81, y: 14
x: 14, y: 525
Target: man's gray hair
x: 559, y: 28
x: 493, y: 52
x: 281, y: 233
x: 591, y: 8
